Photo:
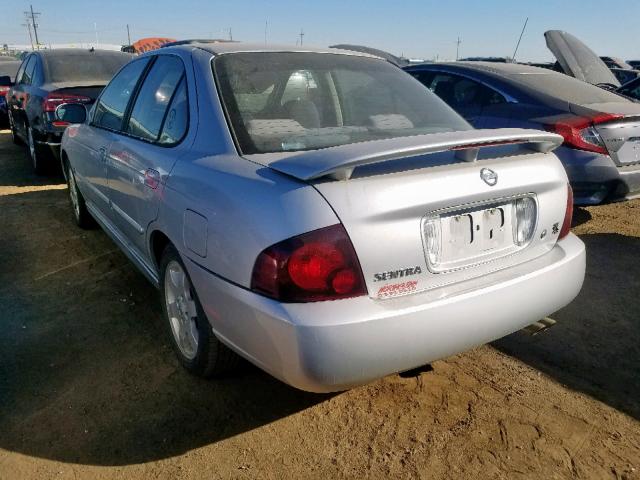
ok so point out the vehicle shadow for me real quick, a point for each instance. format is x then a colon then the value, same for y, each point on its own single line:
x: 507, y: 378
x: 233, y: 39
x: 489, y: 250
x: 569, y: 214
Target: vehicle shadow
x: 580, y: 215
x: 86, y: 372
x: 595, y: 346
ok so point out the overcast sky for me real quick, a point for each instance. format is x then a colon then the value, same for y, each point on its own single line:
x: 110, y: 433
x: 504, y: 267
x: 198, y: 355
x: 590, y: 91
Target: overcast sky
x: 415, y: 28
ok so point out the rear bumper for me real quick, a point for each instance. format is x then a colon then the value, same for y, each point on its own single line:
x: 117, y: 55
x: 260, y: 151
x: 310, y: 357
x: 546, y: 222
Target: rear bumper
x: 596, y: 178
x: 336, y: 345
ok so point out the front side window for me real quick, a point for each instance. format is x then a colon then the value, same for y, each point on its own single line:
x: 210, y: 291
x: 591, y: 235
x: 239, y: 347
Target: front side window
x: 156, y: 93
x: 28, y: 71
x: 20, y: 71
x: 290, y: 101
x: 111, y: 106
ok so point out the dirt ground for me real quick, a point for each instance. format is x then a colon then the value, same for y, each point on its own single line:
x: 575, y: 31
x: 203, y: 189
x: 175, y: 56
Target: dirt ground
x: 89, y: 387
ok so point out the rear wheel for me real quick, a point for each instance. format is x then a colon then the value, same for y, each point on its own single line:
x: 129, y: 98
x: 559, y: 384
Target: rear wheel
x: 81, y: 215
x: 35, y: 154
x: 193, y: 341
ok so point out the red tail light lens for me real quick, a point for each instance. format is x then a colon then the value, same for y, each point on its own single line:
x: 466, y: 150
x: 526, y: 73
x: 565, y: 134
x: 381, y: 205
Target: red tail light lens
x: 568, y: 215
x: 580, y: 132
x: 315, y: 266
x: 54, y: 99
x: 4, y: 91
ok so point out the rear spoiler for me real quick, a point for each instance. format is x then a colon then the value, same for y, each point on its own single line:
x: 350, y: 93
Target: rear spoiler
x: 338, y: 162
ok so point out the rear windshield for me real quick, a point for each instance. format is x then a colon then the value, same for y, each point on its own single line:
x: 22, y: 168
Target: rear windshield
x: 94, y: 69
x: 285, y: 101
x: 565, y: 87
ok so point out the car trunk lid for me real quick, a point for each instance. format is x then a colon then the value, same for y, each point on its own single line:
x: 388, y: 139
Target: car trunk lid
x: 390, y: 196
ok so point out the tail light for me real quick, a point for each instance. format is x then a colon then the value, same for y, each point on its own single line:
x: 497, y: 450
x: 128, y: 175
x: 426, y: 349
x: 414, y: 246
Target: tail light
x: 568, y: 214
x: 580, y: 132
x: 53, y: 99
x: 315, y: 266
x: 4, y: 91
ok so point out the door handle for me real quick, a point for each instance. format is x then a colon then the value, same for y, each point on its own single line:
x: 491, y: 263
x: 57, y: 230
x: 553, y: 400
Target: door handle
x: 103, y: 153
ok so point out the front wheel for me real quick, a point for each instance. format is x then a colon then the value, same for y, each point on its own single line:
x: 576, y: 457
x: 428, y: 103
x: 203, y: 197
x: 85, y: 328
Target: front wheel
x: 193, y: 341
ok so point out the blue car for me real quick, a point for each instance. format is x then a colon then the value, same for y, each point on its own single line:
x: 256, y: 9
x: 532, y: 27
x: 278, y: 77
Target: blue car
x: 601, y: 129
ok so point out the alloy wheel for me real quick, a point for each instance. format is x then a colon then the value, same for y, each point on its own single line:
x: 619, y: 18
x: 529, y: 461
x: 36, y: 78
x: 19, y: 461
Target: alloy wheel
x: 181, y: 309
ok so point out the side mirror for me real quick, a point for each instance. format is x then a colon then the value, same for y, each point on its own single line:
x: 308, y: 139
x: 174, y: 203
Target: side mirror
x: 71, y: 113
x: 5, y: 81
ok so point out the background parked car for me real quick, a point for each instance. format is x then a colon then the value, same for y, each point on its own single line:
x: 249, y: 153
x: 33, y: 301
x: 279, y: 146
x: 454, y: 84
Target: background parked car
x: 601, y: 151
x: 614, y: 62
x: 48, y: 78
x: 631, y: 90
x: 634, y: 63
x: 358, y: 185
x: 625, y: 75
x: 8, y: 68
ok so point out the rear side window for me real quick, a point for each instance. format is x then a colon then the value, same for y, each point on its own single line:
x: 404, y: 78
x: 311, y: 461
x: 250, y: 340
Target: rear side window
x: 177, y: 117
x: 461, y: 92
x: 156, y: 93
x: 113, y: 102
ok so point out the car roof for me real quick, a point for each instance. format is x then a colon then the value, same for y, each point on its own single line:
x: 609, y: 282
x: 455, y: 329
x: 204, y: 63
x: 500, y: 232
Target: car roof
x: 219, y: 48
x: 62, y: 52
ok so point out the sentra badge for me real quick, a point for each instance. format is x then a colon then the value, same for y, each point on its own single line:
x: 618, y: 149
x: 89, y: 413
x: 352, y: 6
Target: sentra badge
x: 393, y: 274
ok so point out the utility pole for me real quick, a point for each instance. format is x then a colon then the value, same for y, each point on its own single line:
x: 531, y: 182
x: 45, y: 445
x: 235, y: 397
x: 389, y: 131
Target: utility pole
x: 30, y: 17
x: 301, y: 36
x: 95, y: 28
x: 28, y: 25
x: 266, y: 25
x: 35, y: 25
x: 230, y: 35
x: 128, y: 35
x: 458, y: 48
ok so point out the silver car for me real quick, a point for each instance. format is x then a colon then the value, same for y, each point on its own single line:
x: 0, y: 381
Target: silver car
x: 319, y: 212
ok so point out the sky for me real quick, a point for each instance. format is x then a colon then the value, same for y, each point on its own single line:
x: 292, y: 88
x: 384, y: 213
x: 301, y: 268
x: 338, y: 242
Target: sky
x: 425, y: 29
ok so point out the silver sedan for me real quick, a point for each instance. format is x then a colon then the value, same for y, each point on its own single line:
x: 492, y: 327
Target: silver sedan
x: 319, y: 212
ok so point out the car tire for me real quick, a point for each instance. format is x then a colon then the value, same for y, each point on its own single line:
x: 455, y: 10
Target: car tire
x: 14, y: 135
x: 193, y: 340
x: 79, y: 210
x: 35, y: 154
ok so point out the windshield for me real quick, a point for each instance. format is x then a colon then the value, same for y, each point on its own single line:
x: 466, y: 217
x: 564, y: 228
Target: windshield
x: 285, y: 101
x: 95, y: 69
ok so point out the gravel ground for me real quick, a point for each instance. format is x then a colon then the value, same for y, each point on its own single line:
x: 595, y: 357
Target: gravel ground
x: 90, y: 389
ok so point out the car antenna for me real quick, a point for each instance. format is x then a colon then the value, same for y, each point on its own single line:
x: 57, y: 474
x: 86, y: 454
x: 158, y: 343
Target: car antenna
x: 513, y: 57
